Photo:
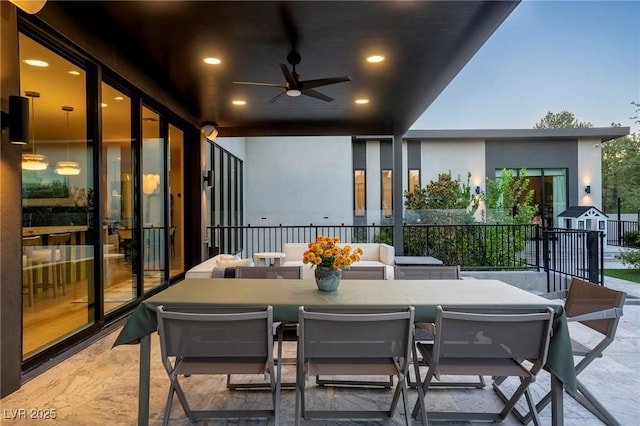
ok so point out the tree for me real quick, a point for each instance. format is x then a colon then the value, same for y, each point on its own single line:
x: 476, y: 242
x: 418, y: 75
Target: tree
x: 621, y: 174
x: 561, y: 120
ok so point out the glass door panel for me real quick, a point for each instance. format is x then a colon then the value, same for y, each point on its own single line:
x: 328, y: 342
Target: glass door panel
x: 153, y: 201
x: 119, y: 280
x: 57, y: 201
x: 176, y: 201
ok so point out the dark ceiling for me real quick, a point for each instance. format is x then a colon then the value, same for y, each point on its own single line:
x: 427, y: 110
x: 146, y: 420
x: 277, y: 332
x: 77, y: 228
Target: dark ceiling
x: 425, y: 44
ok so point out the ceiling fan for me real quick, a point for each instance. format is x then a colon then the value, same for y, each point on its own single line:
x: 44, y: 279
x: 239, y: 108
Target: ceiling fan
x: 294, y: 85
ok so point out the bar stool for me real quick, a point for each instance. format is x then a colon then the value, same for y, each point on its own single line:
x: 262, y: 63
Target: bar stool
x: 29, y: 263
x: 58, y: 243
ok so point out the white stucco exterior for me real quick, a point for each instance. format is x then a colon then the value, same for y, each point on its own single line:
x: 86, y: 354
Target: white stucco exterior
x: 298, y: 180
x: 590, y: 172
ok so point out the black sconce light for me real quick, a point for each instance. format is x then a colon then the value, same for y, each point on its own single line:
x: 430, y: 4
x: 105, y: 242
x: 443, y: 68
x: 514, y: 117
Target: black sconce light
x: 210, y: 129
x: 208, y: 178
x: 477, y: 190
x: 18, y: 120
x: 587, y: 189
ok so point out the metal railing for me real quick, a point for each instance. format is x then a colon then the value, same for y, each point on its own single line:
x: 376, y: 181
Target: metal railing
x: 247, y: 240
x: 572, y: 253
x: 561, y: 253
x: 623, y: 233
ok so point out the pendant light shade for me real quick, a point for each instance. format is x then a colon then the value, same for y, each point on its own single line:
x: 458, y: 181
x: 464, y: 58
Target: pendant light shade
x: 68, y: 168
x: 33, y: 161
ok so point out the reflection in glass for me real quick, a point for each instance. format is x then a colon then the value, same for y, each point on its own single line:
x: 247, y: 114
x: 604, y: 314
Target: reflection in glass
x: 57, y: 210
x: 153, y: 200
x: 359, y: 191
x: 119, y: 252
x: 387, y: 193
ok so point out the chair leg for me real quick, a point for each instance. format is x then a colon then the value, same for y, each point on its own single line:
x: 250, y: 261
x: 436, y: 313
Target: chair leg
x: 591, y: 403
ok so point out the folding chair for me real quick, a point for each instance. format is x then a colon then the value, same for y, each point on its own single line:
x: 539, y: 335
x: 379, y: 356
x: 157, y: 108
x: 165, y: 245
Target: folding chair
x: 273, y: 272
x: 360, y: 273
x: 493, y: 342
x: 363, y: 273
x: 426, y: 331
x: 286, y: 332
x: 403, y: 272
x: 598, y: 308
x: 354, y: 341
x: 217, y: 341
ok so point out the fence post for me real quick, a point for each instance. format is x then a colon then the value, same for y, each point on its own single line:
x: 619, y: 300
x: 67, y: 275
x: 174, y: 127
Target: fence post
x: 592, y: 256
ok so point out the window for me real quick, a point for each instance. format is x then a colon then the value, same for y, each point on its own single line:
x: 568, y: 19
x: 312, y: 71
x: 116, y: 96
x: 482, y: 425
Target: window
x: 414, y: 179
x: 226, y: 201
x: 359, y: 191
x: 387, y: 193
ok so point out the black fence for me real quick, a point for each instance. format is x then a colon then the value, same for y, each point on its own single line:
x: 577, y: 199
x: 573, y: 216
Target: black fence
x: 572, y: 253
x: 623, y: 233
x: 561, y: 253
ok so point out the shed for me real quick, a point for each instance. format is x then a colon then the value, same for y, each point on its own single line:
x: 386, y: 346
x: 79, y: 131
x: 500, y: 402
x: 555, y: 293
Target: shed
x: 587, y: 218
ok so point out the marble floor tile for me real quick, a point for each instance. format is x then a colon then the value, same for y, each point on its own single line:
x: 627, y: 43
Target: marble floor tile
x: 99, y: 386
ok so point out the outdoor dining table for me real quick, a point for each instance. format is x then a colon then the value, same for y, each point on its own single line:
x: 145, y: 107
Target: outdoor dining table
x: 287, y: 295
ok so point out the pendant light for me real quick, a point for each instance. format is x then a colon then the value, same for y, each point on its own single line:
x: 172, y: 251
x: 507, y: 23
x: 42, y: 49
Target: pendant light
x: 33, y: 161
x: 67, y: 168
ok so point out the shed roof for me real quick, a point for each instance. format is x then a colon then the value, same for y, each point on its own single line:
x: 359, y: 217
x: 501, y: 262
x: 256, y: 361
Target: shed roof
x: 579, y: 211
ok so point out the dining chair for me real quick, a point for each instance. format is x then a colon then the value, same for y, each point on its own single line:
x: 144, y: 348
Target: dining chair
x: 598, y: 310
x: 272, y: 272
x: 363, y: 273
x: 217, y: 341
x: 360, y: 273
x: 418, y: 272
x: 488, y: 342
x: 286, y: 332
x: 425, y: 331
x: 32, y: 260
x: 59, y: 260
x: 338, y: 341
x: 125, y: 240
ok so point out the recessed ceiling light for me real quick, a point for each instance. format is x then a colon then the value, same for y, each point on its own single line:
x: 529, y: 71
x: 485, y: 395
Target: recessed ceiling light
x: 36, y: 63
x: 212, y: 61
x: 361, y: 101
x: 73, y: 72
x: 375, y: 59
x: 103, y: 105
x: 239, y: 102
x: 118, y: 98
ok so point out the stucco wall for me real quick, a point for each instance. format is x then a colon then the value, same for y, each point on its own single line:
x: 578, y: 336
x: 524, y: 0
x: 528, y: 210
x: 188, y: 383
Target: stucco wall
x: 589, y: 172
x: 460, y: 157
x: 298, y: 180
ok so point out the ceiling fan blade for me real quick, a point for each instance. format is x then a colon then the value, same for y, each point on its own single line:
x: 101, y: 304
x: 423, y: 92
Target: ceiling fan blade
x: 253, y: 83
x: 310, y: 84
x: 275, y: 98
x: 288, y: 76
x: 317, y: 95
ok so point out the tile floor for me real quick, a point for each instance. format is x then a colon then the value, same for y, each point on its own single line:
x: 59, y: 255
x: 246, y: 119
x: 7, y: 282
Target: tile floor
x: 98, y: 386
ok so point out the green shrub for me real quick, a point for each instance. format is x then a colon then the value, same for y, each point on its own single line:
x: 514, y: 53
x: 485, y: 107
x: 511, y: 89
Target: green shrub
x: 630, y: 257
x: 632, y: 239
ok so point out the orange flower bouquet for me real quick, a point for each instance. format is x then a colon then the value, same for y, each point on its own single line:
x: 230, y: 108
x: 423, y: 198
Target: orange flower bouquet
x: 325, y: 251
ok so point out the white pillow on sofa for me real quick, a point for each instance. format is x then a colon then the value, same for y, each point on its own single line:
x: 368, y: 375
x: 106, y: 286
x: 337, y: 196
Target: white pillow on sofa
x: 235, y: 262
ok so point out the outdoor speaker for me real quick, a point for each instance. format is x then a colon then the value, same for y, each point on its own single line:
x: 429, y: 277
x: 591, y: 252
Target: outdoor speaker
x: 18, y: 120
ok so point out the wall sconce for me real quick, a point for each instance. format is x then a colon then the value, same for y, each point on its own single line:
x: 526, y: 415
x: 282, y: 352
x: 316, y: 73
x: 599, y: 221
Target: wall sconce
x: 208, y: 178
x: 18, y: 120
x: 209, y: 128
x: 587, y: 189
x: 29, y: 6
x: 477, y: 190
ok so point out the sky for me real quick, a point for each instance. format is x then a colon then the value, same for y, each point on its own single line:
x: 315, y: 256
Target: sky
x: 548, y: 55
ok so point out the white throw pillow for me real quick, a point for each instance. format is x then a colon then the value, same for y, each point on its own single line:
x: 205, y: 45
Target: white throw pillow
x: 237, y: 262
